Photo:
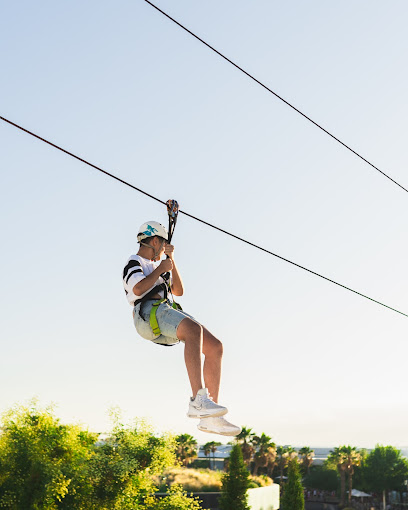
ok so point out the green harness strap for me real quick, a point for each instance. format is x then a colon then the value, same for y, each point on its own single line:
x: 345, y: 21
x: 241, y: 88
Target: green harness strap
x: 153, y: 312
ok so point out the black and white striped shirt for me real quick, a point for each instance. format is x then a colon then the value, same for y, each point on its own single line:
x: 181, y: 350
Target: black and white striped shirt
x: 136, y: 269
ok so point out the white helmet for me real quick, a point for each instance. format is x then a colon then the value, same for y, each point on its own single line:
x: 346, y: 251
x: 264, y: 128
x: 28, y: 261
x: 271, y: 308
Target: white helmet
x: 151, y: 229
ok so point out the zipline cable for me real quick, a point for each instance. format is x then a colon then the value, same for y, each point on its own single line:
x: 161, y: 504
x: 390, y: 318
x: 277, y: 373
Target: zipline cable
x: 198, y: 219
x: 277, y: 95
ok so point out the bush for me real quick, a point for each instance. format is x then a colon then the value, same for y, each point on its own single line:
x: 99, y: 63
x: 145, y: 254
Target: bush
x: 192, y: 480
x: 177, y: 499
x: 45, y: 465
x: 200, y: 464
x: 260, y: 481
x: 321, y: 477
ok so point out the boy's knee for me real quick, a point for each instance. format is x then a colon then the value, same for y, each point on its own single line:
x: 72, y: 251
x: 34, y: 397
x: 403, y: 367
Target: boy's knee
x: 188, y: 329
x: 218, y: 347
x: 213, y: 347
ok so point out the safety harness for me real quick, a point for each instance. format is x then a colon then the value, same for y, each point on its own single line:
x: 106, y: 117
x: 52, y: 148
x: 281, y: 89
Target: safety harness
x: 172, y: 209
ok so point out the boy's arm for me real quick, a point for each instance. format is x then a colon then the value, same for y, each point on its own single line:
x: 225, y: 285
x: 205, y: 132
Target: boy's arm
x: 177, y: 287
x: 148, y: 282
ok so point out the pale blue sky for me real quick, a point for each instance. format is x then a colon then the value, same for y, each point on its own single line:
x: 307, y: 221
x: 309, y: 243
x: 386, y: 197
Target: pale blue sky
x: 118, y: 84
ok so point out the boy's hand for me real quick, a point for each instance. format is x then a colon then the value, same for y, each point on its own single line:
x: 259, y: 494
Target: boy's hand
x: 166, y: 265
x: 169, y: 250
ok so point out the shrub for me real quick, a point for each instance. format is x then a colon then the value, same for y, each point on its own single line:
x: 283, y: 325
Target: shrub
x: 321, y: 477
x: 192, y: 480
x: 43, y: 463
x: 260, y: 481
x: 177, y: 499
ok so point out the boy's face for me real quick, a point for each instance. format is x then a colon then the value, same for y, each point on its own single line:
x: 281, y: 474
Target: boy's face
x: 159, y: 243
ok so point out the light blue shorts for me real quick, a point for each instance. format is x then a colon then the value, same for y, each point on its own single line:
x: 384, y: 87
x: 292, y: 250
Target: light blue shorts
x: 168, y: 319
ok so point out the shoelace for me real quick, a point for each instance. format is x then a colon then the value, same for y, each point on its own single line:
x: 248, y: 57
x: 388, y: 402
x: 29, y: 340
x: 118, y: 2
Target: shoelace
x: 206, y: 398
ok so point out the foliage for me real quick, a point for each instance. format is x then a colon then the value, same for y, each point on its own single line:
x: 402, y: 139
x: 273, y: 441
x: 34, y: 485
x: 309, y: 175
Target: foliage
x: 177, y: 499
x: 244, y: 439
x: 192, y: 480
x: 46, y: 465
x: 260, y: 481
x: 293, y: 498
x: 284, y: 455
x: 186, y: 449
x: 201, y: 480
x: 200, y: 464
x: 124, y: 464
x: 306, y: 457
x: 321, y: 477
x: 235, y: 483
x: 385, y: 469
x: 265, y: 452
x: 43, y: 464
x: 345, y: 458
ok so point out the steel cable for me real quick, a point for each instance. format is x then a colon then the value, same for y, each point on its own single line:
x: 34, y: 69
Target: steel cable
x: 195, y: 218
x: 278, y: 96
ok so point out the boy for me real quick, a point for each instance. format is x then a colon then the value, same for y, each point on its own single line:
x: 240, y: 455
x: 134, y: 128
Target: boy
x: 146, y: 279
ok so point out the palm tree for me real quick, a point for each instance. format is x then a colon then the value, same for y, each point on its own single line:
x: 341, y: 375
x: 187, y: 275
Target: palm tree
x: 207, y: 450
x: 244, y: 439
x: 345, y: 458
x: 307, y: 455
x: 336, y: 457
x: 186, y: 449
x: 262, y: 444
x: 353, y: 458
x: 272, y: 454
x: 211, y: 447
x: 285, y: 454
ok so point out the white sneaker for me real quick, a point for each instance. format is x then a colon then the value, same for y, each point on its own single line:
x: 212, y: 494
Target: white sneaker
x: 218, y: 425
x: 203, y: 406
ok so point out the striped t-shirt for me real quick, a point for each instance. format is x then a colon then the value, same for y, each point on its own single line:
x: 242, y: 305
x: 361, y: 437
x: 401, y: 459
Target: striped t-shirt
x: 136, y: 269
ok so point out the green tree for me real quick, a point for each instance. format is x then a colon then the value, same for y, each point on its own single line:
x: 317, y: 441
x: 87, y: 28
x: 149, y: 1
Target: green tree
x: 235, y: 483
x: 321, y: 477
x: 43, y: 463
x: 186, y: 449
x: 293, y: 498
x: 245, y: 440
x: 122, y: 469
x: 385, y: 469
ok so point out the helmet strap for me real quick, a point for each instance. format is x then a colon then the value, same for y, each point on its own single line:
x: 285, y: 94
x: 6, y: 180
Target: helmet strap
x: 155, y: 252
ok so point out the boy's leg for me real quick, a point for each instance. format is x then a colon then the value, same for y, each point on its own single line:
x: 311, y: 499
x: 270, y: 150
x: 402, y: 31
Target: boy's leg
x: 191, y: 333
x: 198, y: 340
x: 212, y: 350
